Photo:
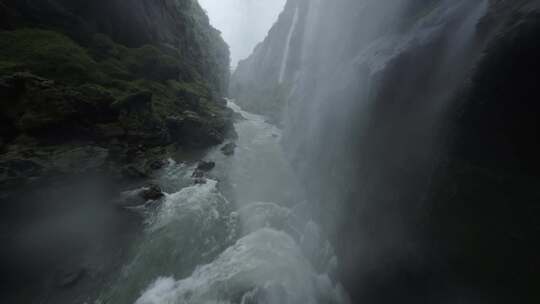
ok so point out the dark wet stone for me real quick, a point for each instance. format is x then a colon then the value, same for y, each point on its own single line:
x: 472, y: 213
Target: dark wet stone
x: 206, y: 166
x: 157, y: 164
x: 152, y: 193
x: 200, y: 181
x: 228, y: 149
x: 197, y: 174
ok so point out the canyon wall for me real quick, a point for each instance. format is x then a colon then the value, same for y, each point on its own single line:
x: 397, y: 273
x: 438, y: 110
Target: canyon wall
x: 413, y: 125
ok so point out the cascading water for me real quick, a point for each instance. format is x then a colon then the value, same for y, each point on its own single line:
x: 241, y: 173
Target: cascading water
x: 251, y: 251
x: 287, y: 49
x: 366, y: 125
x: 365, y: 129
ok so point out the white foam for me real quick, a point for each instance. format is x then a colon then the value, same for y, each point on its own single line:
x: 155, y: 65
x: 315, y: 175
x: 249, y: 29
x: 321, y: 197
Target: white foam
x: 288, y: 46
x: 201, y: 201
x: 263, y: 215
x: 266, y: 266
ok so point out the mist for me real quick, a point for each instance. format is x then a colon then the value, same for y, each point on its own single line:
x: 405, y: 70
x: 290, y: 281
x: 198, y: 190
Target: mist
x: 243, y: 23
x: 360, y: 151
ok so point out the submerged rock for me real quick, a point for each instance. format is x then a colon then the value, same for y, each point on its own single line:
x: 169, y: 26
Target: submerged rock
x: 141, y: 196
x: 228, y: 149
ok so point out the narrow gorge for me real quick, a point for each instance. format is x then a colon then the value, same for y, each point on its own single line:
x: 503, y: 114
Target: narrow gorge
x: 367, y: 151
x: 413, y: 128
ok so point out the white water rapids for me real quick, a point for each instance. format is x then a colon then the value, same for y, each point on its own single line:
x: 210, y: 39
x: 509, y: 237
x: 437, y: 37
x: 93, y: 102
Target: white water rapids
x: 245, y: 236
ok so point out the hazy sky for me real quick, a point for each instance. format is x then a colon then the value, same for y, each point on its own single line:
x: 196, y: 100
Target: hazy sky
x: 244, y: 23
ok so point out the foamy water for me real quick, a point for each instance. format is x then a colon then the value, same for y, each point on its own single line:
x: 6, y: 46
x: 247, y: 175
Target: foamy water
x: 234, y: 239
x: 266, y: 266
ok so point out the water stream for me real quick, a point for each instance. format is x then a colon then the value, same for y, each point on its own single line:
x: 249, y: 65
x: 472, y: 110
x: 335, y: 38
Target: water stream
x: 244, y: 236
x: 287, y: 50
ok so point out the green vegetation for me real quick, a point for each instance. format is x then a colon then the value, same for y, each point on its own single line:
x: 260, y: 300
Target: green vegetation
x: 118, y: 68
x: 107, y: 75
x: 47, y: 54
x: 110, y: 66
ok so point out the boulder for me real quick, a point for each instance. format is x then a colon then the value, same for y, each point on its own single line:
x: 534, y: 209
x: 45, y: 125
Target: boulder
x: 206, y: 166
x: 199, y: 181
x: 139, y: 197
x: 152, y: 193
x: 197, y: 174
x: 190, y: 129
x: 157, y: 164
x: 228, y: 149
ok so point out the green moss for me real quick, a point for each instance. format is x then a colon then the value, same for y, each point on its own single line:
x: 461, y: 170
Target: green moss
x: 120, y: 69
x: 90, y: 78
x: 47, y: 54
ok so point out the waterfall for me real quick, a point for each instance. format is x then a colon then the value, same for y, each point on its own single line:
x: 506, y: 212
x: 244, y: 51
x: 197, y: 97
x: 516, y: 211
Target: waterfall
x: 288, y: 46
x: 364, y: 122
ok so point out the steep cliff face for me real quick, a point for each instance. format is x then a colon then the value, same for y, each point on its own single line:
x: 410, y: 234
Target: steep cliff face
x: 414, y: 126
x: 179, y: 25
x: 262, y: 82
x: 112, y: 74
x: 95, y: 96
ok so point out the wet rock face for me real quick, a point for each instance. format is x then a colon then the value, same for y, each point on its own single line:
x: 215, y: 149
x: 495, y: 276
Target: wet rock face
x: 430, y: 231
x: 206, y: 166
x: 85, y: 91
x: 111, y: 84
x: 191, y: 129
x: 485, y: 192
x: 41, y: 107
x: 501, y: 118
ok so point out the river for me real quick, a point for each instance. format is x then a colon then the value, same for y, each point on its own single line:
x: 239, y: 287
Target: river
x: 244, y: 235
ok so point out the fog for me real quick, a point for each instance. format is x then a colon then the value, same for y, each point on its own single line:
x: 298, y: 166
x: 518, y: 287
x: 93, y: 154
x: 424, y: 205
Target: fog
x: 244, y: 23
x: 364, y: 152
